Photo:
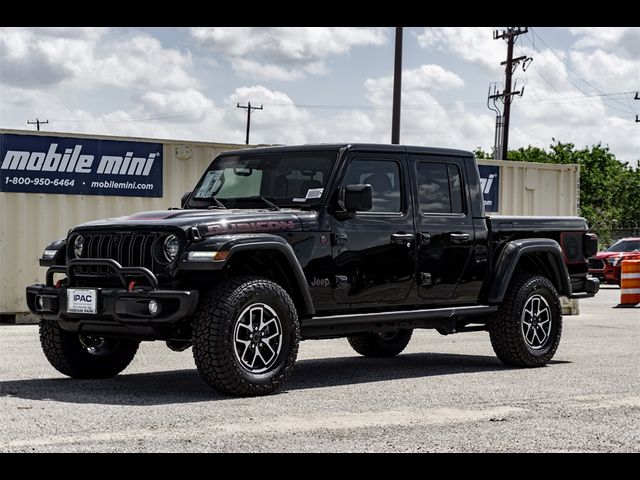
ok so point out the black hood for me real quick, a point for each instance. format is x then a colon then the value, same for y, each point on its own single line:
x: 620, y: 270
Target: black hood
x: 209, y: 222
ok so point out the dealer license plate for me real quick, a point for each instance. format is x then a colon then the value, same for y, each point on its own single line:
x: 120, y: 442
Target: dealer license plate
x: 82, y: 300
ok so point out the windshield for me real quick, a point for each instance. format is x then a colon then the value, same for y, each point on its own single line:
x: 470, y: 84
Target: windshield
x: 625, y: 246
x: 286, y: 179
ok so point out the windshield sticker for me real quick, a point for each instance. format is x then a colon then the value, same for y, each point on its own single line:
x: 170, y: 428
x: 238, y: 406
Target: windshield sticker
x: 314, y: 193
x: 210, y: 184
x: 299, y: 199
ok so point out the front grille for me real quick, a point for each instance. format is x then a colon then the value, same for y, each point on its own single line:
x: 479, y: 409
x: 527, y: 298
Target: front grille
x: 128, y: 249
x: 596, y: 264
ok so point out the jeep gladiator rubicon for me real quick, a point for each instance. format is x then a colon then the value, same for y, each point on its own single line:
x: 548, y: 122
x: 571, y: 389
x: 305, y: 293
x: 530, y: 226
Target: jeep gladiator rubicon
x: 281, y: 244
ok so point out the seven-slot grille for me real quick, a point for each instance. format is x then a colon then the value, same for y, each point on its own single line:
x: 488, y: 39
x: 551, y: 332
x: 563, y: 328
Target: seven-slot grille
x: 596, y: 264
x: 128, y: 249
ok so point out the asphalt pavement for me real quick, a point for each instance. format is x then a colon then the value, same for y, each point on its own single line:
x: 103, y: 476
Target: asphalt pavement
x: 442, y: 394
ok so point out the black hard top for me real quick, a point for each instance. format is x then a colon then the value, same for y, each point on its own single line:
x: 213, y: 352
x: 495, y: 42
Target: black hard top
x: 355, y: 147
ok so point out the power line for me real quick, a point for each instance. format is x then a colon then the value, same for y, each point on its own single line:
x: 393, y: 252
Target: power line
x: 574, y: 72
x: 38, y: 122
x: 415, y: 107
x: 148, y: 118
x: 248, y: 108
x: 569, y: 80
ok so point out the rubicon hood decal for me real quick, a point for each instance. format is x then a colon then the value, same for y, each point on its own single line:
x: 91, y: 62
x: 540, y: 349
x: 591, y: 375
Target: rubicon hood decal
x: 267, y: 226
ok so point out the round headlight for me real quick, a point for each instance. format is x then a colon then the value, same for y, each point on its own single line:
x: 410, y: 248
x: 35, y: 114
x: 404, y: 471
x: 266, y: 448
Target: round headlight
x: 171, y: 246
x: 78, y: 245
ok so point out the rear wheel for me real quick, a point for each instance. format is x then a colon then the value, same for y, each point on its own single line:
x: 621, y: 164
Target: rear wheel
x: 245, y: 336
x: 385, y: 344
x: 527, y: 328
x: 85, y: 356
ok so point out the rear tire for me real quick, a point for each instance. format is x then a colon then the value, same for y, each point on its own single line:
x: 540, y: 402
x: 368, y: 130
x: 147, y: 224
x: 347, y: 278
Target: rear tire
x: 245, y: 336
x: 387, y: 344
x: 80, y: 356
x: 526, y: 330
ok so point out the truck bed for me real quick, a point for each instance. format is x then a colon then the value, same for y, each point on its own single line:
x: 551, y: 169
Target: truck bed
x: 508, y: 223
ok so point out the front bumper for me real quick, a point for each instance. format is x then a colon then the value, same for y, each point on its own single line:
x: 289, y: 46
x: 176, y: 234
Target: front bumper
x: 118, y: 310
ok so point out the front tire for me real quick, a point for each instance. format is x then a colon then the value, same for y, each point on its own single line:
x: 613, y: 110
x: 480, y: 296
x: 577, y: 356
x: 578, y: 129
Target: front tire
x: 84, y: 356
x: 527, y: 328
x: 245, y: 336
x: 386, y: 344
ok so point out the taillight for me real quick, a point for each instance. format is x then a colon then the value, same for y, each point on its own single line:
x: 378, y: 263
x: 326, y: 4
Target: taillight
x: 590, y: 244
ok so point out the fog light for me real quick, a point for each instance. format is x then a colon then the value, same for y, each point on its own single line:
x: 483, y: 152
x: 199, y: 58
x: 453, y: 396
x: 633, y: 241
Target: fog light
x: 153, y: 307
x: 40, y: 303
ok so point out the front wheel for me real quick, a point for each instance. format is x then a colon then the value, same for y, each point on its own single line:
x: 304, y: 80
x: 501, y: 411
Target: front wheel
x: 527, y: 328
x: 245, y: 336
x: 85, y: 356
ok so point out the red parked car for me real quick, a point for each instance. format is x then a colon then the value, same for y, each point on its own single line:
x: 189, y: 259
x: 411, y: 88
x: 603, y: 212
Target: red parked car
x: 606, y: 265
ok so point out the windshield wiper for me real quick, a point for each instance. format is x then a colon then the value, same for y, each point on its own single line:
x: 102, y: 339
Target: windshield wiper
x: 218, y: 203
x: 269, y: 203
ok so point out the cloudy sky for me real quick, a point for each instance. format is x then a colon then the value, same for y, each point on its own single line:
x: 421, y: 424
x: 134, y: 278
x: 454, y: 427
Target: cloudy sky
x: 322, y: 84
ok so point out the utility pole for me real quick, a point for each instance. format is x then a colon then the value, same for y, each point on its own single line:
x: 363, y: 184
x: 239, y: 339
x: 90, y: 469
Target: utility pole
x: 497, y: 138
x: 37, y: 123
x: 397, y: 89
x: 511, y: 64
x: 248, y: 108
x: 637, y: 97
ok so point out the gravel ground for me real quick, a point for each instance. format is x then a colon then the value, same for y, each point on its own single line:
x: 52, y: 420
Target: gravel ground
x: 442, y: 394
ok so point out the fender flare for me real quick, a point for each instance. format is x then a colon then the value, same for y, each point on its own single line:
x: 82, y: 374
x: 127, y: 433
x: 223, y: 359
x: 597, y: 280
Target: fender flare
x: 251, y: 242
x: 511, y: 255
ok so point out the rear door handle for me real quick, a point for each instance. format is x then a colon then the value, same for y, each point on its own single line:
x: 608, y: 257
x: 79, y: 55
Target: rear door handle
x: 459, y: 237
x: 402, y: 237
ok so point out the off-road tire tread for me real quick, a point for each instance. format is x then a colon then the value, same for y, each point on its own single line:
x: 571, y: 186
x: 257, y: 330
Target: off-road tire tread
x: 65, y: 354
x: 505, y: 329
x: 211, y: 337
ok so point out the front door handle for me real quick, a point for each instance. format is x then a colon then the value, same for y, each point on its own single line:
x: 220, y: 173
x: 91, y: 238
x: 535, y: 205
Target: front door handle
x: 402, y: 237
x: 459, y: 237
x: 339, y: 238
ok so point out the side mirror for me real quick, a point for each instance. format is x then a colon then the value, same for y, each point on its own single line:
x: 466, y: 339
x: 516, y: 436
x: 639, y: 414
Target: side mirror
x: 357, y: 197
x: 183, y: 200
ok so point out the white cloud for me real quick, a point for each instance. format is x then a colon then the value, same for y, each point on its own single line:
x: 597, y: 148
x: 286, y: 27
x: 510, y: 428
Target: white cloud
x: 424, y: 78
x: 474, y: 45
x: 424, y: 121
x: 625, y: 40
x: 27, y: 61
x: 280, y: 121
x: 607, y: 70
x: 87, y: 33
x: 186, y: 105
x: 284, y: 53
x: 249, y: 68
x: 38, y: 57
x: 140, y: 62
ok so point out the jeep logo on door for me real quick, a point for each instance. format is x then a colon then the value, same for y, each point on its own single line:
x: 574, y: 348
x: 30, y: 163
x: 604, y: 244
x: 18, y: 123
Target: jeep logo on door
x: 79, y: 166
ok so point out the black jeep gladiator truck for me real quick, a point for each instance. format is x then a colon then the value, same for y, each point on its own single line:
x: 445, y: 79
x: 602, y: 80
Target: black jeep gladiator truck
x: 281, y: 244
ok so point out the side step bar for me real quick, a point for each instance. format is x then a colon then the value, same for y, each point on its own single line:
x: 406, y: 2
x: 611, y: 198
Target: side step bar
x: 339, y: 325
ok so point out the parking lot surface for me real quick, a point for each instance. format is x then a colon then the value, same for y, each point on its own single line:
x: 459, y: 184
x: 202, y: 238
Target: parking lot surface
x: 442, y: 394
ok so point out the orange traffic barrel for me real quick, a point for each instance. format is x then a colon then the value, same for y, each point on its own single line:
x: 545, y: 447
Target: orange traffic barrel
x: 630, y: 282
